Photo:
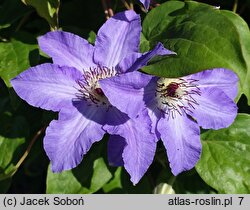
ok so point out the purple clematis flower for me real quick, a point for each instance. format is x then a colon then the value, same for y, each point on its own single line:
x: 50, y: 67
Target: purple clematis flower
x: 146, y: 3
x: 71, y: 87
x: 177, y: 107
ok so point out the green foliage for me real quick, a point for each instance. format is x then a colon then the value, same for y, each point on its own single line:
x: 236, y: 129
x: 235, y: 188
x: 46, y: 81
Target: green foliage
x: 48, y: 9
x: 203, y: 38
x: 17, y: 55
x: 244, y: 38
x: 115, y: 182
x: 120, y: 183
x: 225, y: 160
x: 88, y: 177
x: 12, y: 136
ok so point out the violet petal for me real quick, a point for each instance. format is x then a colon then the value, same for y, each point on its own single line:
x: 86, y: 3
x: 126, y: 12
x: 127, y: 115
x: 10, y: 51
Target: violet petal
x: 67, y: 49
x: 117, y: 38
x: 145, y: 3
x: 116, y: 146
x: 47, y: 86
x: 135, y: 61
x: 223, y: 79
x: 139, y: 152
x: 71, y: 136
x: 181, y: 138
x: 214, y: 110
x: 126, y: 91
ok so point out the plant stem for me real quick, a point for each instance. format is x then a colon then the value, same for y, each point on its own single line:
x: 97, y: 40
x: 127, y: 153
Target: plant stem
x: 107, y: 9
x: 172, y: 180
x: 15, y: 168
x: 235, y: 6
x: 23, y: 20
x: 126, y: 4
x: 131, y: 5
x: 111, y: 13
x: 154, y: 3
x: 29, y: 147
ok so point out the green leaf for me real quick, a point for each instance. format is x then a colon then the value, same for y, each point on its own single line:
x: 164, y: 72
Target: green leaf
x: 13, y: 132
x: 48, y: 9
x: 115, y: 183
x: 15, y: 56
x: 120, y: 183
x: 4, y: 26
x: 92, y: 37
x: 203, y: 38
x: 144, y: 44
x: 244, y: 37
x: 225, y: 160
x: 88, y: 177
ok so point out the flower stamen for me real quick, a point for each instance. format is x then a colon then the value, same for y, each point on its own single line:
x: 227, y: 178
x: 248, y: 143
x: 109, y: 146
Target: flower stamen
x: 89, y: 88
x: 174, y: 96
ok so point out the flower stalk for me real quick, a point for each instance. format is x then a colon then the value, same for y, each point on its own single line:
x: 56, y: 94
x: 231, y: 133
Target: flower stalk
x: 24, y: 156
x: 108, y: 11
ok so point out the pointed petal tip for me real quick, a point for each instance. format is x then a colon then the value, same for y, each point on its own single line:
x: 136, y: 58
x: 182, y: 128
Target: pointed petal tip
x: 183, y: 148
x: 134, y: 181
x: 70, y: 137
x: 12, y: 81
x: 176, y: 171
x: 163, y: 51
x: 54, y: 169
x: 138, y: 154
x: 146, y: 4
x: 135, y: 61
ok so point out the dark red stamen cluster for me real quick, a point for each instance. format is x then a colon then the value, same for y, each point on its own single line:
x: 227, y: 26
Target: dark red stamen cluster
x: 171, y: 89
x: 99, y: 91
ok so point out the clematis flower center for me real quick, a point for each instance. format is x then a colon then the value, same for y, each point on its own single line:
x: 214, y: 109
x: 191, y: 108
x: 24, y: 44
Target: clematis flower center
x: 171, y: 89
x: 99, y: 91
x: 89, y: 88
x: 176, y: 95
